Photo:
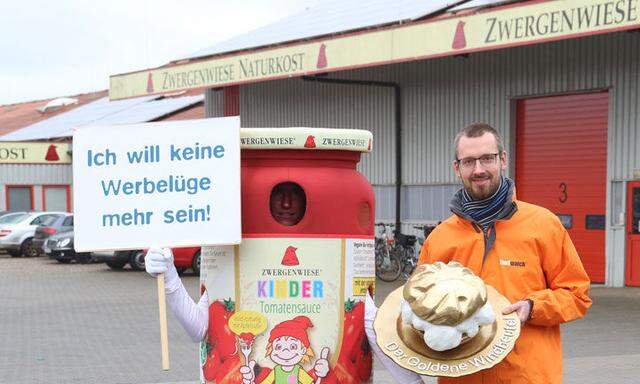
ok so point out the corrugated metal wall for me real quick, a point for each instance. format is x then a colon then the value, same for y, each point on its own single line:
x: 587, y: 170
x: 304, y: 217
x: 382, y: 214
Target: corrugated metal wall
x: 33, y: 174
x: 355, y: 107
x: 385, y: 203
x: 297, y: 103
x: 440, y: 96
x: 214, y: 103
x: 313, y: 104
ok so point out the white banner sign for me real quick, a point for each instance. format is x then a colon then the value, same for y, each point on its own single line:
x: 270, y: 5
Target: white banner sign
x: 167, y: 184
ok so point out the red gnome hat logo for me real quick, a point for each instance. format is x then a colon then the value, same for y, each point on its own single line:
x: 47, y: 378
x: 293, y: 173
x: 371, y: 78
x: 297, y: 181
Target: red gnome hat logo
x: 149, y: 83
x: 290, y: 258
x: 310, y: 143
x: 322, y: 57
x: 52, y: 154
x: 459, y: 40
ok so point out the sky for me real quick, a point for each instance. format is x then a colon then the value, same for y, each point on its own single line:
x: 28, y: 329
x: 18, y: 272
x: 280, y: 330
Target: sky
x: 66, y: 47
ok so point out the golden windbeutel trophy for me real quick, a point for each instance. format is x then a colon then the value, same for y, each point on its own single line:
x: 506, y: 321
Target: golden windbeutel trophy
x: 445, y: 322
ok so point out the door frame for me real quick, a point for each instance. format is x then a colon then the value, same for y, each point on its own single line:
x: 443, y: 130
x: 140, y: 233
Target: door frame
x: 627, y: 233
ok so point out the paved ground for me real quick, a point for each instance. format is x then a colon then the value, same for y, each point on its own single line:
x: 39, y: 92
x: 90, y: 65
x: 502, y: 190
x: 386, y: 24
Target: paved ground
x: 89, y: 324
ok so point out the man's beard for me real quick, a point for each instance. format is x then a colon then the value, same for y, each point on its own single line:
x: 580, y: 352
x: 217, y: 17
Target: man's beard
x: 486, y: 190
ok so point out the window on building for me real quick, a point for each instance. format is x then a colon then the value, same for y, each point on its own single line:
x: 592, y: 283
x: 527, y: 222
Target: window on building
x: 19, y: 198
x: 55, y: 198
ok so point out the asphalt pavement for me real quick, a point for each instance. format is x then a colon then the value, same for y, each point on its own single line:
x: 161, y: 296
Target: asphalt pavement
x: 89, y: 324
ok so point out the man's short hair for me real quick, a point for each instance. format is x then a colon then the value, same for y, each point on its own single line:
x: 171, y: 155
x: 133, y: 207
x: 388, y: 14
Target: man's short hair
x: 477, y: 130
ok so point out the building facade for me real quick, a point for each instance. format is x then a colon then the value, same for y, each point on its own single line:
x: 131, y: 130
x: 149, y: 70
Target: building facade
x: 558, y: 79
x: 441, y: 96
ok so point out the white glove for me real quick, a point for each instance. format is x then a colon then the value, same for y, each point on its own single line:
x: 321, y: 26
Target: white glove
x: 160, y: 260
x: 193, y: 317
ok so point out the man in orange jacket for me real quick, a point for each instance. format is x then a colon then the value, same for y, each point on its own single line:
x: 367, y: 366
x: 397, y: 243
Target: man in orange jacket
x: 520, y: 249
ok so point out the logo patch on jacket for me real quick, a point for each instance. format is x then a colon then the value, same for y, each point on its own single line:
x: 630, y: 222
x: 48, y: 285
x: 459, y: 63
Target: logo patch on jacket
x: 511, y: 263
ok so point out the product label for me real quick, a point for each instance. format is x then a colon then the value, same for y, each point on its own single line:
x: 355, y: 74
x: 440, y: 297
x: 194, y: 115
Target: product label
x: 292, y: 307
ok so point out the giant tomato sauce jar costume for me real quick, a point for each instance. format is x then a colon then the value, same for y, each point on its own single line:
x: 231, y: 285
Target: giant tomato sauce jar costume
x: 289, y: 299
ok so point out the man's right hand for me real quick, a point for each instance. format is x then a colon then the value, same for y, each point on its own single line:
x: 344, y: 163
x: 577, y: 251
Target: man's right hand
x: 247, y: 372
x: 159, y: 260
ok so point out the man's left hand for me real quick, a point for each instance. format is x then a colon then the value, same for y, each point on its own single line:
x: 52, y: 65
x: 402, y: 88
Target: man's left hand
x: 522, y: 308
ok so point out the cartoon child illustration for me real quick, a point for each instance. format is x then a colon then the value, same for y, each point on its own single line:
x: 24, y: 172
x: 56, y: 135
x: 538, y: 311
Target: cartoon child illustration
x: 289, y: 349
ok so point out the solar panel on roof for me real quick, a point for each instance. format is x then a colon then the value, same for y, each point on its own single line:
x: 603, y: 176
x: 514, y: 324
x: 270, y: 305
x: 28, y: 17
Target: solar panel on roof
x: 329, y: 17
x: 102, y: 112
x: 479, y: 3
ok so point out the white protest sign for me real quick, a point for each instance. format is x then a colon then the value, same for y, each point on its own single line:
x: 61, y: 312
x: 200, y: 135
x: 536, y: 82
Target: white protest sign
x: 165, y: 184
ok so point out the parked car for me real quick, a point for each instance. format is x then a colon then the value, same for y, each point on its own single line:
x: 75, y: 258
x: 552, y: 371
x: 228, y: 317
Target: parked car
x: 61, y: 224
x: 7, y: 215
x: 183, y: 258
x: 17, y: 231
x: 60, y: 247
x: 119, y: 259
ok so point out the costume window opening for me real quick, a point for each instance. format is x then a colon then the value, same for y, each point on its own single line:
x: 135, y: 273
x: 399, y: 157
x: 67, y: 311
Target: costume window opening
x: 288, y: 203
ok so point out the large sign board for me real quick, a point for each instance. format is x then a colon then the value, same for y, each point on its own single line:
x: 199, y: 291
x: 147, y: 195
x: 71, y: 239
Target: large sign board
x: 510, y: 25
x: 157, y: 184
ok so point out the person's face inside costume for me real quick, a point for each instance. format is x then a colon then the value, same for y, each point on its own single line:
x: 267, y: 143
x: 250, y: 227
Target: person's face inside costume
x: 479, y: 165
x: 287, y: 203
x: 287, y: 351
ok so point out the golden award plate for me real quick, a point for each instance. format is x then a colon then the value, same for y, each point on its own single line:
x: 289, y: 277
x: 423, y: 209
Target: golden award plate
x: 404, y: 345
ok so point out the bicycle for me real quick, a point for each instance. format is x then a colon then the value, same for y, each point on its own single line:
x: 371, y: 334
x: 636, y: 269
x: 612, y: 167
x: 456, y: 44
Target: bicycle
x: 411, y: 260
x: 426, y: 229
x: 388, y: 265
x: 404, y: 247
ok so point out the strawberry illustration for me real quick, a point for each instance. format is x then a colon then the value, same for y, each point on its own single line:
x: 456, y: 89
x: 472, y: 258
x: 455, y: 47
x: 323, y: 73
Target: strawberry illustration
x: 219, y: 314
x: 219, y: 352
x: 355, y: 359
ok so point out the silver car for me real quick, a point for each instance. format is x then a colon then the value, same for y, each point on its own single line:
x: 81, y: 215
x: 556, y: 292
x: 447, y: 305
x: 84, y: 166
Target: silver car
x: 17, y: 231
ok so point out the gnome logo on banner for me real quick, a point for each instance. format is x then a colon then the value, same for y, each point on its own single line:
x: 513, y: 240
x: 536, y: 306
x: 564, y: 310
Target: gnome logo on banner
x: 149, y: 83
x: 52, y: 154
x: 290, y: 258
x: 310, y: 143
x: 459, y: 39
x: 322, y: 57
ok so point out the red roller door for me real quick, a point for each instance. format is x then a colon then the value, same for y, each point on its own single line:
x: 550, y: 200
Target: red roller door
x: 561, y: 162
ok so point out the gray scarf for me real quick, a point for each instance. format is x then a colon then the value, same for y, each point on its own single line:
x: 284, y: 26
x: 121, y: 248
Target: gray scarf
x: 502, y: 212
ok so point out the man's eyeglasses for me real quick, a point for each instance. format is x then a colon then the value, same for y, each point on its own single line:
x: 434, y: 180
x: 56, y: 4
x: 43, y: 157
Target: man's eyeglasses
x: 487, y: 160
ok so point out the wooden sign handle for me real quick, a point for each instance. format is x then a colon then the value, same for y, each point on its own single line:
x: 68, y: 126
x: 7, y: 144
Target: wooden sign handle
x: 164, y: 336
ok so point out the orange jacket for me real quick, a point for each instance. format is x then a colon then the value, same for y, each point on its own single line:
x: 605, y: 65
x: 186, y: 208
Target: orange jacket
x: 532, y: 258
